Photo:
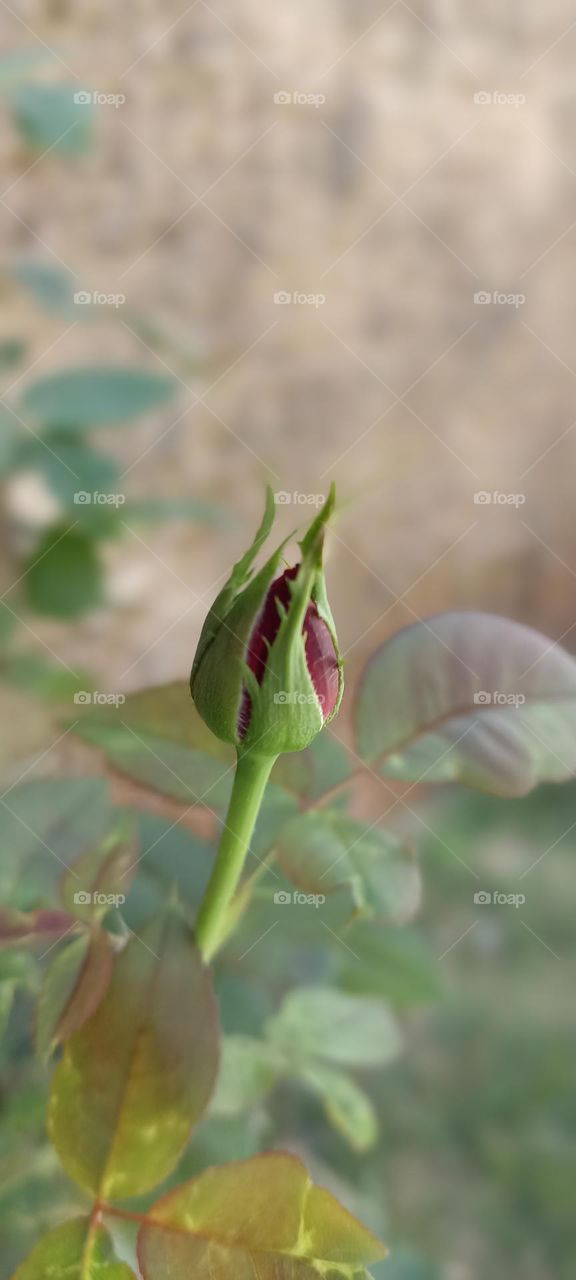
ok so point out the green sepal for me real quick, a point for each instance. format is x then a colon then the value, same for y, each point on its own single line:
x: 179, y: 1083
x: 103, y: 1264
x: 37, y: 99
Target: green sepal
x: 290, y: 725
x: 217, y: 684
x: 237, y: 580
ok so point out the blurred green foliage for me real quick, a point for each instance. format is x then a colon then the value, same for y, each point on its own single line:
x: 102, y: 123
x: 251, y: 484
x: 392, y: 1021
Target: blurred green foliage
x: 50, y: 116
x: 476, y: 1156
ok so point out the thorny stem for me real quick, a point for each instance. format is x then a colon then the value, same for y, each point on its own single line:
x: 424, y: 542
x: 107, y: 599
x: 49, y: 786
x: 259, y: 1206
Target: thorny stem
x: 252, y: 773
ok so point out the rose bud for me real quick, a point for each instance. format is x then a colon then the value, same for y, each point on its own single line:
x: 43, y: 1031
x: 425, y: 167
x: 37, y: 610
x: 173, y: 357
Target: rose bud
x: 267, y: 675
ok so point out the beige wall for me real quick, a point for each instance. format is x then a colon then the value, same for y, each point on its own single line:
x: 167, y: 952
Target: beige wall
x: 397, y: 198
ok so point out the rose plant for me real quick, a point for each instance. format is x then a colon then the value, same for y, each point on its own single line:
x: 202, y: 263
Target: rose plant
x: 146, y: 925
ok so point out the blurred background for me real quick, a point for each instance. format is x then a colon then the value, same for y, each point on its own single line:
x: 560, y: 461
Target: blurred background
x: 245, y: 245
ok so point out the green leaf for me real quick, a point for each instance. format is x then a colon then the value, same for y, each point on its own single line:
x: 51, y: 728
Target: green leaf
x: 322, y: 851
x: 74, y: 1251
x: 405, y: 1264
x: 137, y: 1077
x: 12, y: 351
x: 188, y: 776
x: 44, y: 679
x: 260, y: 1217
x: 7, y: 994
x: 17, y: 970
x: 319, y: 1022
x: 393, y: 963
x: 158, y: 739
x: 96, y: 396
x: 278, y: 808
x: 11, y: 438
x: 170, y: 859
x: 52, y: 285
x: 48, y: 117
x: 72, y: 989
x: 470, y: 698
x: 347, y: 1107
x: 63, y: 578
x: 101, y: 874
x: 249, y: 1069
x: 72, y: 469
x: 320, y: 767
x: 162, y: 712
x: 45, y: 824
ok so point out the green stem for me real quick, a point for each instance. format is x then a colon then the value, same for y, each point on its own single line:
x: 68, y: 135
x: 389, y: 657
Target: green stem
x: 252, y: 773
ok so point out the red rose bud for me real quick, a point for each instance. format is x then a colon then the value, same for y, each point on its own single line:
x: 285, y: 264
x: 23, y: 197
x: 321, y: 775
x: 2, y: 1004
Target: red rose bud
x: 321, y: 655
x: 267, y: 674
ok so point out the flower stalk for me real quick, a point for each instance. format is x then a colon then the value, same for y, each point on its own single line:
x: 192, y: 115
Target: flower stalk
x: 250, y: 779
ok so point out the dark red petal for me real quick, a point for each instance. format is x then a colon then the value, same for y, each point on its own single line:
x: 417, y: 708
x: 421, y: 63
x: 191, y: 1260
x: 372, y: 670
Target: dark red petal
x: 321, y: 661
x: 263, y: 634
x: 319, y: 648
x: 268, y: 624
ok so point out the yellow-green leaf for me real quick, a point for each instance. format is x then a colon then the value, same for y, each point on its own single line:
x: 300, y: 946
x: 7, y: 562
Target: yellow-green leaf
x: 136, y: 1078
x: 259, y: 1218
x: 74, y: 1251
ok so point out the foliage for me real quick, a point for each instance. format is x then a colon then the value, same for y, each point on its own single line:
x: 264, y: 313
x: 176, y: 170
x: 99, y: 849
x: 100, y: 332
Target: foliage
x: 49, y: 117
x: 47, y: 425
x: 310, y: 1006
